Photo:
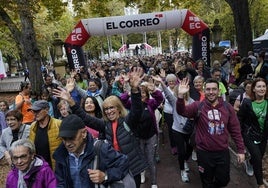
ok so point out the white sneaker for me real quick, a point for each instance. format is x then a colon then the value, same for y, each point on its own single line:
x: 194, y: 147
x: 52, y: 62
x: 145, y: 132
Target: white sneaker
x: 143, y: 177
x: 194, y: 157
x: 186, y: 166
x: 249, y: 168
x: 184, y: 176
x: 154, y: 186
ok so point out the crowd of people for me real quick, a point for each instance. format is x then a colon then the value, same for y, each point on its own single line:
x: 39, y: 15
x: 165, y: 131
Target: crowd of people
x: 49, y: 138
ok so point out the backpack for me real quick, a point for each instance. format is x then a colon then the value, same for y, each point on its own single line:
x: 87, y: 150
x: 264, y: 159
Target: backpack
x: 127, y: 182
x: 234, y: 94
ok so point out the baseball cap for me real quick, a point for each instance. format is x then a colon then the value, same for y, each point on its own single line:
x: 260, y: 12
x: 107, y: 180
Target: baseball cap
x: 70, y: 126
x: 39, y: 105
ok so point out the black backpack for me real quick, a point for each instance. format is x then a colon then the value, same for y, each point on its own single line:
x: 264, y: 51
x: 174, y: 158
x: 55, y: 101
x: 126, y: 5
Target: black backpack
x: 234, y: 94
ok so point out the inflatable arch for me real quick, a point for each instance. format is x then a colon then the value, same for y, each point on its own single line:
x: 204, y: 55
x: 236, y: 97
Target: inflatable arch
x: 104, y: 26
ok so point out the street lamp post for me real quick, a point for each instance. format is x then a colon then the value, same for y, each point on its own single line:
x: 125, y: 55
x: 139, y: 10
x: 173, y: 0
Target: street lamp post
x: 216, y: 32
x: 57, y: 57
x: 57, y: 48
x: 216, y: 51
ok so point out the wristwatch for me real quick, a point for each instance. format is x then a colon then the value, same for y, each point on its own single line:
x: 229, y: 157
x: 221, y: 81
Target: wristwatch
x: 106, y: 177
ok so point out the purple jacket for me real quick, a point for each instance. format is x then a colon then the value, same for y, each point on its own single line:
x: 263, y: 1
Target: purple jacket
x: 151, y: 105
x: 39, y: 176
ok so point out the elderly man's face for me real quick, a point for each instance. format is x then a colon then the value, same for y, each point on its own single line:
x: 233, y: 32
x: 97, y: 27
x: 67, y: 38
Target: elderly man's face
x: 22, y: 158
x: 41, y: 114
x: 75, y: 144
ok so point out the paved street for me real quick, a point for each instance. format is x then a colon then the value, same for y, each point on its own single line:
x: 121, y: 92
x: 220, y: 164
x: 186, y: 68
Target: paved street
x: 168, y: 171
x: 169, y: 176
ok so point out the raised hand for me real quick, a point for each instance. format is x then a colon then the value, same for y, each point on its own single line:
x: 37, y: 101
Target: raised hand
x: 61, y: 93
x: 70, y: 84
x: 73, y: 73
x: 162, y: 73
x: 158, y: 79
x: 135, y: 77
x: 101, y: 73
x: 183, y: 87
x: 64, y: 95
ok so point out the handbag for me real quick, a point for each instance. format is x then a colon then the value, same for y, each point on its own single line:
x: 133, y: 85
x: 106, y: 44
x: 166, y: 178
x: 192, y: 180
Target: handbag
x: 127, y: 182
x: 254, y: 134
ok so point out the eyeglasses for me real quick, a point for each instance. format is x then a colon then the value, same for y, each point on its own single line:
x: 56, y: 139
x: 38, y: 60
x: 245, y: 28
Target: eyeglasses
x: 109, y: 108
x: 23, y: 157
x: 11, y: 119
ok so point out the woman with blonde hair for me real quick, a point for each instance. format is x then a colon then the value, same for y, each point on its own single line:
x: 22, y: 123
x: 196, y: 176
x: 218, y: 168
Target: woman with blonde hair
x: 64, y: 109
x: 117, y: 123
x: 197, y: 92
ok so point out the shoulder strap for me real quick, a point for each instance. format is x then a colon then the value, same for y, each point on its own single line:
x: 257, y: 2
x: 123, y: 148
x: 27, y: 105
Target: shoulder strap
x: 21, y: 95
x: 22, y: 131
x: 241, y: 98
x: 96, y: 162
x: 126, y: 127
x: 97, y: 146
x: 226, y: 106
x: 200, y: 105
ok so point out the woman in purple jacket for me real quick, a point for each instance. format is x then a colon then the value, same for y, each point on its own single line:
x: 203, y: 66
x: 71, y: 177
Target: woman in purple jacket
x: 147, y: 129
x: 28, y: 169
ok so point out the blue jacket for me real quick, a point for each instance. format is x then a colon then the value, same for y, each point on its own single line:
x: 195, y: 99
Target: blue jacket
x: 111, y: 162
x: 128, y: 143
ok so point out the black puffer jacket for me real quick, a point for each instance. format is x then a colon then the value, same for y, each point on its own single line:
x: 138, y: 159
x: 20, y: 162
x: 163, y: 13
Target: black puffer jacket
x: 127, y: 141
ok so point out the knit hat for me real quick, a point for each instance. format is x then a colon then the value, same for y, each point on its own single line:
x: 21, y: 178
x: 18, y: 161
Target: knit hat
x: 70, y: 126
x: 39, y: 105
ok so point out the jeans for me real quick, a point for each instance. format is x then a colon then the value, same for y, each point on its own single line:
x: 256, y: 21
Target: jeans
x: 148, y: 146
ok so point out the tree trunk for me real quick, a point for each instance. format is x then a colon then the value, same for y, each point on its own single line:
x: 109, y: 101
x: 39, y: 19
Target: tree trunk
x: 242, y: 25
x: 30, y: 49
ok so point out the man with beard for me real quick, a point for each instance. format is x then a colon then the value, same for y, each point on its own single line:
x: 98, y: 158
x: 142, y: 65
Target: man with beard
x: 215, y: 120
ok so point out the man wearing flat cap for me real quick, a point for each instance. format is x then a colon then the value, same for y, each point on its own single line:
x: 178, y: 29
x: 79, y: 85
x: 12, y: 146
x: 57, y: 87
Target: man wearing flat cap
x: 75, y: 158
x: 44, y: 131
